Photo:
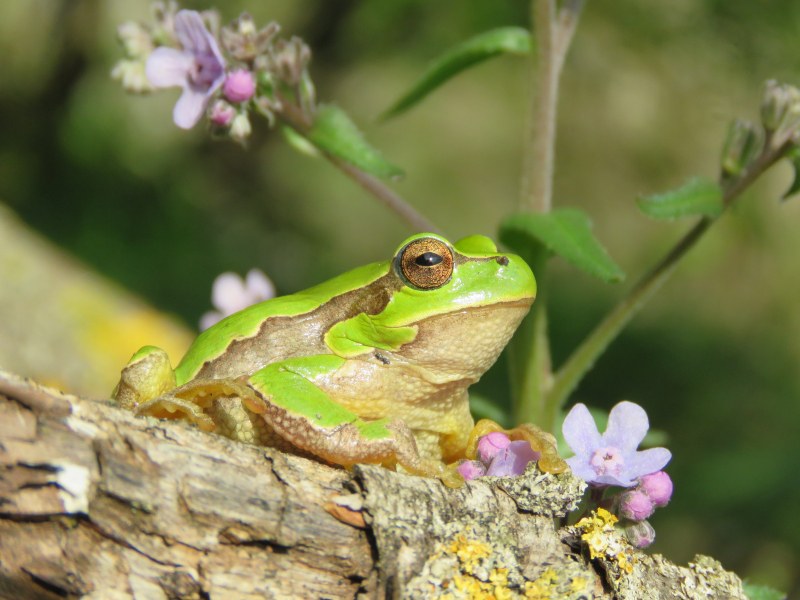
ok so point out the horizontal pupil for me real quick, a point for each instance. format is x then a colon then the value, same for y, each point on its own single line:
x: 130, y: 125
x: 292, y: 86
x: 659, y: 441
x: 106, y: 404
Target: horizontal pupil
x: 428, y: 259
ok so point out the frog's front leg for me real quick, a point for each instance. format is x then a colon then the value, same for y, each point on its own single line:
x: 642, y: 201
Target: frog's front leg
x: 303, y: 414
x: 147, y: 386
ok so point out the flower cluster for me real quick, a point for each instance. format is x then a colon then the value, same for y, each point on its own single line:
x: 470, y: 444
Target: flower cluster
x: 612, y: 459
x: 230, y: 293
x: 225, y: 74
x: 498, y: 456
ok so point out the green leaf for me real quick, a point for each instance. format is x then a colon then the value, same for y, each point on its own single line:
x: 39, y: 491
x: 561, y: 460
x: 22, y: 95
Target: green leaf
x: 762, y: 592
x: 794, y: 156
x: 299, y: 142
x: 333, y: 132
x: 566, y: 232
x: 504, y: 40
x: 698, y: 196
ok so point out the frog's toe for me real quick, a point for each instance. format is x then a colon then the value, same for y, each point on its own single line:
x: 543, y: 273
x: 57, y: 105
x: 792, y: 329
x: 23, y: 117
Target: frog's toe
x: 170, y: 407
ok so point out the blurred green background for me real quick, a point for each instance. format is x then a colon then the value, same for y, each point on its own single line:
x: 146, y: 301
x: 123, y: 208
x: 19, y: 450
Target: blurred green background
x: 648, y: 91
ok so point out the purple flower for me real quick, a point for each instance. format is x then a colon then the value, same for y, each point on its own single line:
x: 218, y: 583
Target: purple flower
x: 611, y: 458
x: 230, y: 294
x: 198, y: 68
x: 512, y: 460
x: 498, y: 456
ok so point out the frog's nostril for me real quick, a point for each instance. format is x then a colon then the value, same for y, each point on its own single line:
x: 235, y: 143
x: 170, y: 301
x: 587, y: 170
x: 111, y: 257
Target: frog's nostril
x: 502, y: 260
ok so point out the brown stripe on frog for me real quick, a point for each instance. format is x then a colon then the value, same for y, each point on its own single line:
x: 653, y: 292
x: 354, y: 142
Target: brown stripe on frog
x: 280, y: 338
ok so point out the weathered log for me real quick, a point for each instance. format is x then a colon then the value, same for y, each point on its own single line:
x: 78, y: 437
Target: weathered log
x: 98, y: 503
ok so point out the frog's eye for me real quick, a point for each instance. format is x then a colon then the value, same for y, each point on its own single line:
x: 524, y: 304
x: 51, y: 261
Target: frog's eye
x: 426, y: 263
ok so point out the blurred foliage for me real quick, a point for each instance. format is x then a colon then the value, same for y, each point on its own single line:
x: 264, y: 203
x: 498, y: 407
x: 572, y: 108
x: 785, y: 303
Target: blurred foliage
x: 648, y: 91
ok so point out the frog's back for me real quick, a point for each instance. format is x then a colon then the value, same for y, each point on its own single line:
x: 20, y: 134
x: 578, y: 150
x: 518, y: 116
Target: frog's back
x: 286, y: 326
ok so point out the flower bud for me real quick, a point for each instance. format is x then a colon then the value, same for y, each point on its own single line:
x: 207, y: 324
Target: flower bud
x: 136, y: 40
x: 470, y: 469
x: 640, y: 534
x: 240, y: 128
x: 658, y: 487
x: 131, y: 73
x: 742, y: 145
x: 635, y: 506
x: 239, y: 86
x: 221, y: 114
x: 490, y: 444
x: 779, y: 102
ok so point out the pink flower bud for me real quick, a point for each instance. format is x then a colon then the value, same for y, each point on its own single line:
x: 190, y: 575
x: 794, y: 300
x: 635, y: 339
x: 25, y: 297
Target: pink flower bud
x: 470, y: 469
x: 221, y: 113
x: 658, y: 486
x: 239, y: 86
x: 490, y: 444
x: 635, y: 506
x: 641, y: 534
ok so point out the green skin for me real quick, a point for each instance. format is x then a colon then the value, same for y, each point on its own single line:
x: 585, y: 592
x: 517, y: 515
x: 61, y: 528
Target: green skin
x: 366, y: 367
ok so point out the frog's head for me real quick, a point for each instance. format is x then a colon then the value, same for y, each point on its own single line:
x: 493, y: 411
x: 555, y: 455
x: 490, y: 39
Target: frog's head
x: 465, y: 301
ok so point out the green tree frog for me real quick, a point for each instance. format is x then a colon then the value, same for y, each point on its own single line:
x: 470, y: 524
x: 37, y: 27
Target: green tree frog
x: 372, y: 366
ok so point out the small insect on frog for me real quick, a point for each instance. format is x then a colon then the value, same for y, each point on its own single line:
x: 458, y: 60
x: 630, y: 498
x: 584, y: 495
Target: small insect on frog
x: 372, y: 366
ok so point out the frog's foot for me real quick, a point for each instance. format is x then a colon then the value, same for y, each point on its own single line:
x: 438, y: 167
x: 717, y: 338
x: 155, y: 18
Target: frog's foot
x: 202, y: 402
x: 541, y: 441
x: 147, y: 375
x: 172, y: 407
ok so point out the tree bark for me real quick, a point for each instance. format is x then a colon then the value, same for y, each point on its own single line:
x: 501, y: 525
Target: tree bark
x: 98, y: 503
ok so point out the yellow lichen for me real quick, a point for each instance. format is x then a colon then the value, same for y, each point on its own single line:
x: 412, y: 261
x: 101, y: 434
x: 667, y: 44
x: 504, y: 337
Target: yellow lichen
x: 499, y: 576
x: 578, y: 585
x: 600, y: 537
x: 469, y: 552
x: 544, y: 587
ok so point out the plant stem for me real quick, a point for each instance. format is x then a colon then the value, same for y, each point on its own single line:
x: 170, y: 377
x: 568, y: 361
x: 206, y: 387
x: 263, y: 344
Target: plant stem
x: 387, y: 196
x: 297, y: 119
x: 553, y: 33
x: 585, y: 355
x: 530, y: 362
x: 529, y: 353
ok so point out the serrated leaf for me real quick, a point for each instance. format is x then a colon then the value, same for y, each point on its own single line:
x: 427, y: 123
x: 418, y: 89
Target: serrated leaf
x: 566, y: 232
x: 696, y: 197
x: 504, y: 40
x: 794, y: 156
x: 335, y: 133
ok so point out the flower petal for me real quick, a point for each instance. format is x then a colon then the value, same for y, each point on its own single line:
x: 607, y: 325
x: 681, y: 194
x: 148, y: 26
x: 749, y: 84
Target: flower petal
x: 168, y: 67
x: 580, y: 432
x: 209, y: 319
x: 512, y: 460
x: 620, y: 481
x: 193, y: 36
x: 228, y: 293
x: 646, y: 462
x: 259, y: 286
x: 627, y: 426
x: 581, y: 468
x: 189, y: 107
